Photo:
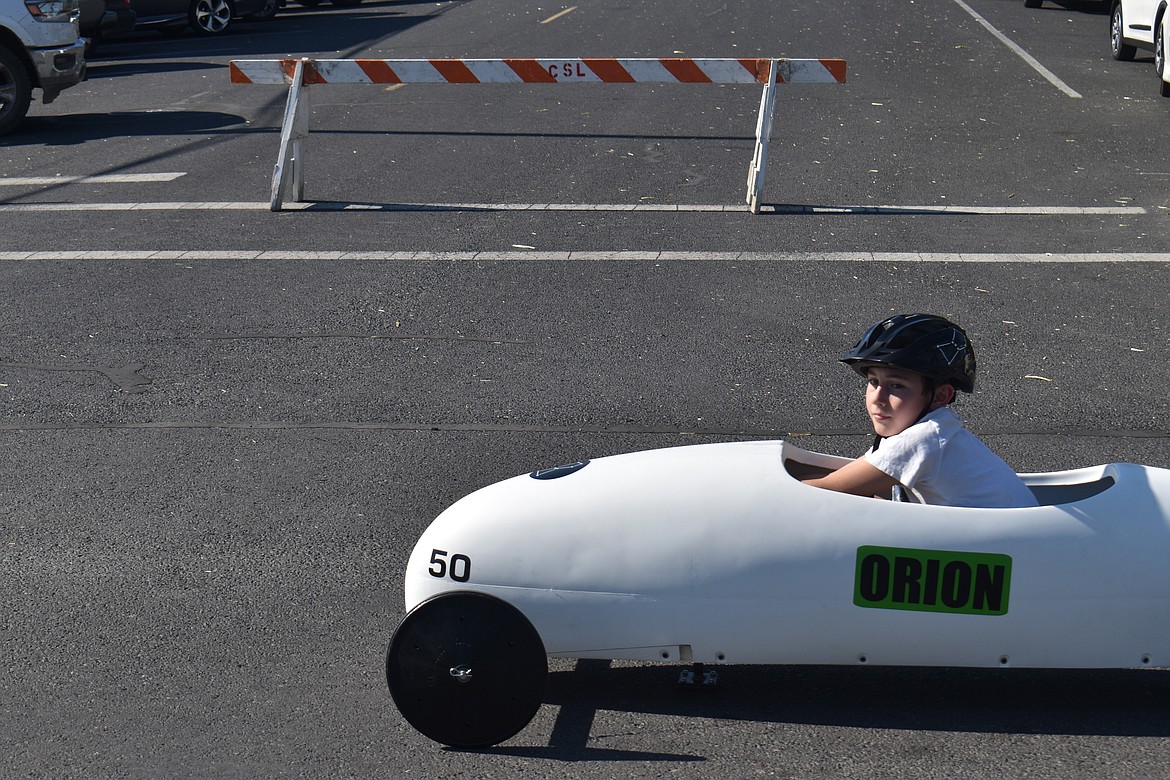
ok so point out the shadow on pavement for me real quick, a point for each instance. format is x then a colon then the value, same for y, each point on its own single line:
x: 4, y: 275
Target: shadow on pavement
x: 70, y: 129
x: 1111, y: 702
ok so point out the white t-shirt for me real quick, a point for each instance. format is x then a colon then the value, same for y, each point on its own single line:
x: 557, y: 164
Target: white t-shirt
x: 941, y: 462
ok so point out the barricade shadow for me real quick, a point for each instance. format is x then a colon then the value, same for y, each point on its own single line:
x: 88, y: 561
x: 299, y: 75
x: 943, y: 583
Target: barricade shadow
x: 1131, y: 703
x: 510, y: 135
x: 357, y: 207
x: 826, y: 210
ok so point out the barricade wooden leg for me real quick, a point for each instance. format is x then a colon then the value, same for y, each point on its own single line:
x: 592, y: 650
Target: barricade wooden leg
x: 755, y: 179
x: 289, y: 170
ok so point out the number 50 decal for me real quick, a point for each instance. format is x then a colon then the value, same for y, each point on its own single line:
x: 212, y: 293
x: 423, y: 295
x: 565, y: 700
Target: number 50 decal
x: 457, y: 567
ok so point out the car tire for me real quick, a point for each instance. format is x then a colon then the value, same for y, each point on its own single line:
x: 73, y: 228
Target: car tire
x: 1117, y: 45
x: 266, y: 13
x: 467, y: 669
x: 309, y: 3
x: 210, y: 17
x: 15, y: 90
x: 1160, y: 56
x: 1033, y: 3
x: 345, y: 3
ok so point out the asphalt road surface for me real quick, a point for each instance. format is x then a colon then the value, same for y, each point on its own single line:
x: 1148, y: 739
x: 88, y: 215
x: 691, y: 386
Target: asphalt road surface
x: 224, y: 428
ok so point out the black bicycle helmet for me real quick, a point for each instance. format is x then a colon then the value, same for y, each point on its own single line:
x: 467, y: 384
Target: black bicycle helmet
x: 923, y: 343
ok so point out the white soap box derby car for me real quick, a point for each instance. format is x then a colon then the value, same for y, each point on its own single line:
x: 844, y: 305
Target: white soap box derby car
x: 716, y: 553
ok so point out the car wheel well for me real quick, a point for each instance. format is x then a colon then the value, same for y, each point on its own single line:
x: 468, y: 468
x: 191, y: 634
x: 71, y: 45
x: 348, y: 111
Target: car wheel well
x: 8, y: 40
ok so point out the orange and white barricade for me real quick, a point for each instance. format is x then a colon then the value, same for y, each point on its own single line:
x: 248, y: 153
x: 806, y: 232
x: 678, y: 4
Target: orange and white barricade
x: 301, y: 74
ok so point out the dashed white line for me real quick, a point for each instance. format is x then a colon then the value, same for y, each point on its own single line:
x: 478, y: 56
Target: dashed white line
x: 110, y: 178
x: 1025, y: 56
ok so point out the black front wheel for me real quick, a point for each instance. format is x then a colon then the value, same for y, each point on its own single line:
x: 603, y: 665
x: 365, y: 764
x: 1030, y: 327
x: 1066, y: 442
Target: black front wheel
x: 15, y: 90
x: 467, y: 669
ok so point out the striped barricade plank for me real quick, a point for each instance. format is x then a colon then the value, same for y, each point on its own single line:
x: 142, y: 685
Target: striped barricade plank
x: 301, y: 74
x: 670, y: 70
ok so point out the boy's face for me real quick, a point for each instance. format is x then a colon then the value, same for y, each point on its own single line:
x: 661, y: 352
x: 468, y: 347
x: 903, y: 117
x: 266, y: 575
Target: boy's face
x: 895, y: 399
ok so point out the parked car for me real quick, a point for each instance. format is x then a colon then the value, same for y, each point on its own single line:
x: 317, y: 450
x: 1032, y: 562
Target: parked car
x: 206, y: 17
x: 1140, y: 24
x: 39, y: 48
x: 102, y: 18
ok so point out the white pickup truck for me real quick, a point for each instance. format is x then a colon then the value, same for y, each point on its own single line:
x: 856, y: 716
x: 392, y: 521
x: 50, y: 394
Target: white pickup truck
x: 39, y: 48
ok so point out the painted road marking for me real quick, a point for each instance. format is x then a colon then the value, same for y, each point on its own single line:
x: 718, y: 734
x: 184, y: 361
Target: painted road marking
x: 1025, y: 56
x: 111, y: 178
x: 149, y: 255
x: 556, y: 16
x: 954, y: 210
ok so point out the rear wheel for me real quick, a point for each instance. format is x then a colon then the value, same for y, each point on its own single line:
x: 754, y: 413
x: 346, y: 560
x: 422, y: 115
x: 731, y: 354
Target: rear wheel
x: 210, y: 17
x: 1033, y: 3
x: 466, y: 669
x: 1160, y: 56
x: 15, y: 90
x: 1117, y: 45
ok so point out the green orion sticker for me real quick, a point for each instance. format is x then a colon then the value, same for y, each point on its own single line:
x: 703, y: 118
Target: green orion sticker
x: 963, y: 583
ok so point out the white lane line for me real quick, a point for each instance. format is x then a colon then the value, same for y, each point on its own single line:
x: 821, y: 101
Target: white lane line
x: 1028, y: 58
x: 1030, y: 211
x: 1033, y: 211
x: 591, y: 256
x: 110, y: 178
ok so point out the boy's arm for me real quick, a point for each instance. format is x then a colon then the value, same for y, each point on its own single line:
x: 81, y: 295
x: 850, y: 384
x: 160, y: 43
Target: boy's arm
x: 860, y: 477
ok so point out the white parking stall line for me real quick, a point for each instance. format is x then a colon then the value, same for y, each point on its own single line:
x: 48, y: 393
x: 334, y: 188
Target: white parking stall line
x: 594, y: 256
x: 111, y: 178
x: 1025, y: 56
x: 785, y: 209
